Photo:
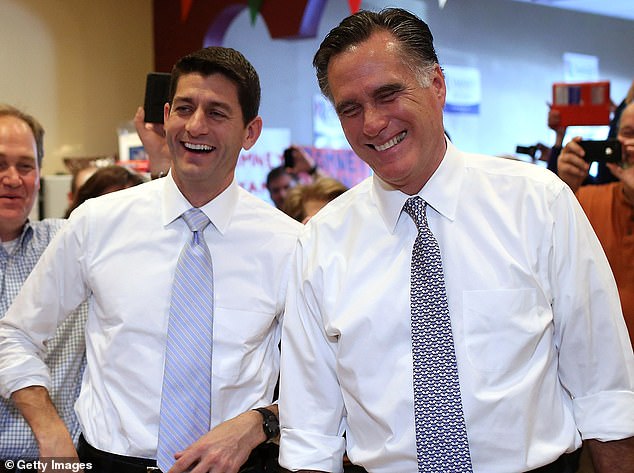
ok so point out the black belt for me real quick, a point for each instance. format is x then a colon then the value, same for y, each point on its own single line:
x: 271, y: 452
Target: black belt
x: 262, y: 459
x: 105, y: 462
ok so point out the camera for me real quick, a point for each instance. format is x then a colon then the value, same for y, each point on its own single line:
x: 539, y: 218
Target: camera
x: 157, y: 88
x: 607, y: 151
x: 537, y: 152
x: 289, y: 158
x: 529, y: 150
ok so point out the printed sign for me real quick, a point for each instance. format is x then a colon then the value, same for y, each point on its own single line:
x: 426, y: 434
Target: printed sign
x: 464, y: 91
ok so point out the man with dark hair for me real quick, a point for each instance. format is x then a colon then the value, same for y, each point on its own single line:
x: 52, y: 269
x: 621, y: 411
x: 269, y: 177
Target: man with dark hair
x: 279, y: 181
x: 299, y: 167
x: 22, y: 243
x: 186, y: 279
x: 453, y: 312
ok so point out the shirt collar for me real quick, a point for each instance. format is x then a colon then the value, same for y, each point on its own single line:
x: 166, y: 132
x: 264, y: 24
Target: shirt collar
x: 23, y: 238
x: 441, y: 191
x: 27, y: 233
x: 219, y: 210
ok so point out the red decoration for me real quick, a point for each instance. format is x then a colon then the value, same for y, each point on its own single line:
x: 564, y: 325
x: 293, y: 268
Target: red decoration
x: 186, y: 5
x: 354, y: 5
x: 204, y: 23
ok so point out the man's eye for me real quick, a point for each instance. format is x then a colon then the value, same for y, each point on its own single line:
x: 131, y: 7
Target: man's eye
x: 217, y: 114
x: 387, y: 96
x: 349, y: 112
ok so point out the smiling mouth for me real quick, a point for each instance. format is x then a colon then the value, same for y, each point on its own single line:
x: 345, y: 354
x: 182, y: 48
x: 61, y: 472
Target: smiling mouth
x: 393, y: 142
x: 198, y: 148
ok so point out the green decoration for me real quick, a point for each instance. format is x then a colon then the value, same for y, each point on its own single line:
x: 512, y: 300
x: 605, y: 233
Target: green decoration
x: 254, y: 9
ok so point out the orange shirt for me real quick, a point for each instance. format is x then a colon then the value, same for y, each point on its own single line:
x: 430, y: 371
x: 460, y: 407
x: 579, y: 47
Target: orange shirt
x: 612, y: 218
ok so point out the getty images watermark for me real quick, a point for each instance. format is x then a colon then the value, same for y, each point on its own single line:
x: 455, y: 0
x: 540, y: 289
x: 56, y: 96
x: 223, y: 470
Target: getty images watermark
x: 50, y: 465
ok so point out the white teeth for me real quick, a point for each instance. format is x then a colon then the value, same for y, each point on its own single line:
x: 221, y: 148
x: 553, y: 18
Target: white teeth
x: 394, y: 141
x: 198, y: 147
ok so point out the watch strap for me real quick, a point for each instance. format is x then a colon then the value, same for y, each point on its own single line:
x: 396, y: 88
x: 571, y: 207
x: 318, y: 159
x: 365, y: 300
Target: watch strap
x: 270, y: 424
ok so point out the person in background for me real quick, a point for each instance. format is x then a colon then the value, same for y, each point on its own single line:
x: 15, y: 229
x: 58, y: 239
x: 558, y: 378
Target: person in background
x: 103, y: 181
x: 603, y: 174
x: 77, y: 180
x: 453, y: 312
x: 298, y: 162
x: 181, y: 273
x: 305, y: 200
x: 610, y: 207
x: 298, y: 168
x: 23, y: 242
x: 279, y: 182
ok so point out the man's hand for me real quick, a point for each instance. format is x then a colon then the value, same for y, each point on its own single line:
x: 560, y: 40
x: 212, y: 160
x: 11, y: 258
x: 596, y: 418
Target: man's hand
x: 302, y: 161
x: 571, y: 167
x: 304, y: 164
x: 625, y: 174
x: 225, y: 449
x: 153, y: 138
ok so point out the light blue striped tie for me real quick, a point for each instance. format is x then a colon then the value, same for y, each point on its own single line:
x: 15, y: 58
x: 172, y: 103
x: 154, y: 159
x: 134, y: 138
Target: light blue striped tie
x: 186, y: 395
x: 441, y: 434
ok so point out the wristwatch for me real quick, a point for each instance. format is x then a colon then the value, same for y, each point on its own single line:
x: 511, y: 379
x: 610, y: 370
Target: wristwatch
x: 270, y: 424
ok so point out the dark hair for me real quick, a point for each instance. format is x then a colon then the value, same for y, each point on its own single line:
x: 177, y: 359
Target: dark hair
x: 277, y: 172
x: 103, y: 181
x: 412, y: 33
x: 34, y: 125
x: 228, y: 62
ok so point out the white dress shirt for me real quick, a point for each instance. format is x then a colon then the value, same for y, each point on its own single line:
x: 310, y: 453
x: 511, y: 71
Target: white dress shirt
x: 543, y: 353
x: 120, y: 251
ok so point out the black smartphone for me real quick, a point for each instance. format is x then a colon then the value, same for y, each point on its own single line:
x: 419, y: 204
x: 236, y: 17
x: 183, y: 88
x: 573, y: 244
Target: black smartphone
x: 157, y: 90
x: 607, y: 151
x: 289, y: 159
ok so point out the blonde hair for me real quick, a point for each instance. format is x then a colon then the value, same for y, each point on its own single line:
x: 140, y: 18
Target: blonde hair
x: 323, y: 189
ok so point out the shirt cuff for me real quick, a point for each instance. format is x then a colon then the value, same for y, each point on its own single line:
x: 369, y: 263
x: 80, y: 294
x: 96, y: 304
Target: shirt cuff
x: 605, y: 416
x: 301, y: 450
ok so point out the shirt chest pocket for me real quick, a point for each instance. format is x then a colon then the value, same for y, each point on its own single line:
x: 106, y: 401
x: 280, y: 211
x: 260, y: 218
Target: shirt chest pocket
x: 503, y: 328
x: 241, y: 340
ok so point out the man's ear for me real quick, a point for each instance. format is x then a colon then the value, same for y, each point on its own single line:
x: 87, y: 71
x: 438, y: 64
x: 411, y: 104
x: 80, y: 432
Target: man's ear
x: 252, y: 132
x: 438, y: 84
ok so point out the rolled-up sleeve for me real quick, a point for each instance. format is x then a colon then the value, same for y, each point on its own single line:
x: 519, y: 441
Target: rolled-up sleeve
x: 596, y: 364
x: 311, y: 406
x: 52, y: 291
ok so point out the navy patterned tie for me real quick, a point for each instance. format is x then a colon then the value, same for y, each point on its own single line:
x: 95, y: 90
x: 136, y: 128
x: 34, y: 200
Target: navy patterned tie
x: 186, y: 394
x: 441, y: 434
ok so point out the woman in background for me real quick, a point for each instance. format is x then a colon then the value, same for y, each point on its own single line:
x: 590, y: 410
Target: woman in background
x: 103, y: 181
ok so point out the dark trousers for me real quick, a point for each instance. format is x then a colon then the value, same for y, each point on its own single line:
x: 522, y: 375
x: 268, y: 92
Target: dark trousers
x: 263, y: 459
